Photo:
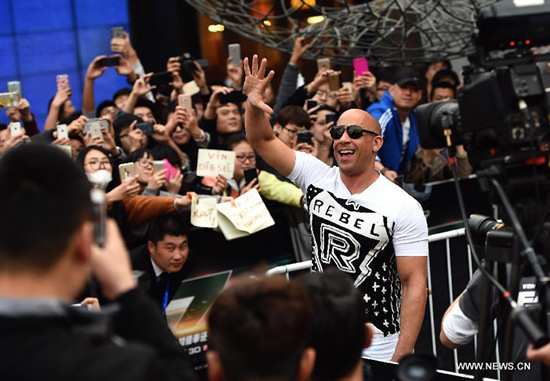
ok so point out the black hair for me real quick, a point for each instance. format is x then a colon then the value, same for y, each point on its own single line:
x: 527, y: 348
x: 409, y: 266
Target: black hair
x: 325, y: 107
x: 50, y: 197
x: 442, y: 85
x: 167, y: 224
x: 445, y: 73
x: 338, y: 333
x: 143, y: 102
x: 122, y: 122
x: 447, y: 64
x: 120, y: 92
x: 293, y: 114
x: 234, y: 140
x: 137, y: 154
x: 71, y: 118
x: 259, y: 327
x: 102, y: 105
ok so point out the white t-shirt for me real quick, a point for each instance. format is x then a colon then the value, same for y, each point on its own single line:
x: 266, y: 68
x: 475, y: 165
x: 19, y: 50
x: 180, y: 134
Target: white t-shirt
x: 361, y: 234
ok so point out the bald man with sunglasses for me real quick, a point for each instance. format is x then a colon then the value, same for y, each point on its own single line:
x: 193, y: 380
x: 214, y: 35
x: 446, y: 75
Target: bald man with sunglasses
x: 361, y: 222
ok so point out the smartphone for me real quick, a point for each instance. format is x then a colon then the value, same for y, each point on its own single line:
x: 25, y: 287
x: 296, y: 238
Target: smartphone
x: 95, y: 121
x: 235, y: 54
x: 158, y: 165
x: 15, y: 87
x: 330, y: 117
x: 109, y: 61
x: 15, y: 129
x: 145, y: 127
x: 62, y: 131
x: 304, y: 137
x: 348, y: 85
x: 158, y: 79
x: 117, y: 32
x: 323, y: 63
x: 186, y: 101
x: 334, y: 81
x: 360, y: 65
x: 99, y: 211
x: 95, y: 130
x: 126, y: 171
x: 310, y: 103
x: 249, y: 175
x: 62, y: 81
x: 235, y: 96
x: 9, y: 99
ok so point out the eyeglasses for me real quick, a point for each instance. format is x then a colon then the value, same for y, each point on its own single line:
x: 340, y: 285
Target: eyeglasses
x: 354, y: 131
x: 292, y: 131
x: 325, y: 94
x: 96, y: 164
x: 244, y: 158
x: 145, y: 163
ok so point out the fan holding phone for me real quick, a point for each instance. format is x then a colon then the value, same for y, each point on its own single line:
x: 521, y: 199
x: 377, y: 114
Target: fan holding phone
x: 246, y: 176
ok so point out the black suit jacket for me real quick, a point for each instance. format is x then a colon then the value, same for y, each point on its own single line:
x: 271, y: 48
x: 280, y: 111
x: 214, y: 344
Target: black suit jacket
x: 141, y: 261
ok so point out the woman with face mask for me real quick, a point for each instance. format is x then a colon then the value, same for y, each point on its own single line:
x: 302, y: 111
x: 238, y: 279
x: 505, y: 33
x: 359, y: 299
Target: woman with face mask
x: 129, y: 209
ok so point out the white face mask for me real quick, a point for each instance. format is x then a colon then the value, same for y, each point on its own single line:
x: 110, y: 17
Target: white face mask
x: 100, y: 179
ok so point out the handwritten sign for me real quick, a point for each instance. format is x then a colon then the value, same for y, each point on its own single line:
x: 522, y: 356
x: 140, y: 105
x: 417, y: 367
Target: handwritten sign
x: 203, y: 212
x: 213, y: 162
x: 247, y: 214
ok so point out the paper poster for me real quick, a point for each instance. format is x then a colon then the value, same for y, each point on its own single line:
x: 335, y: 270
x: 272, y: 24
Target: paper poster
x: 213, y: 162
x: 245, y: 215
x: 204, y: 213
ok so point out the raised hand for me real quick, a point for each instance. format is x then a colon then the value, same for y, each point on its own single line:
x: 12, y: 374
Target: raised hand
x: 256, y: 83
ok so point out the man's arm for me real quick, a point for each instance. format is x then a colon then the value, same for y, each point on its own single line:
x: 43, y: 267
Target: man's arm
x: 413, y: 274
x: 258, y: 129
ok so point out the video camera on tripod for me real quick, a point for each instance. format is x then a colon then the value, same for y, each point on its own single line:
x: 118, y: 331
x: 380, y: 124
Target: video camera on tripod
x: 503, y: 110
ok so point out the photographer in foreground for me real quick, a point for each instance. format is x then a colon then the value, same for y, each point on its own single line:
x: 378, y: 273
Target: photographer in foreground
x: 46, y: 256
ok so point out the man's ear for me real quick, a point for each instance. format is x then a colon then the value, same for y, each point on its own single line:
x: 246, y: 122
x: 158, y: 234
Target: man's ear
x: 369, y: 329
x: 377, y: 143
x: 82, y: 241
x: 150, y: 247
x: 215, y: 371
x: 307, y: 362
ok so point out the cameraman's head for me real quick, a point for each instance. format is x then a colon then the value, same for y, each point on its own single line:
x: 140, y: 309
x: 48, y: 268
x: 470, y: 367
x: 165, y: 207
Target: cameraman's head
x: 339, y: 332
x: 258, y: 330
x: 45, y: 228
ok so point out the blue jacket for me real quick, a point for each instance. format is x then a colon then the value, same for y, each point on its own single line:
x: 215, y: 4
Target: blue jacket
x: 392, y: 131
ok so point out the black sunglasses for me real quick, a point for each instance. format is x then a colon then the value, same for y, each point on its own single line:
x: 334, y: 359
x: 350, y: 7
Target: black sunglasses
x: 354, y: 131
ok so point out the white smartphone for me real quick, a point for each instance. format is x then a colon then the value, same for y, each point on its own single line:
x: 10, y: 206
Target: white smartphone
x: 62, y: 131
x: 95, y: 130
x: 15, y: 129
x: 126, y: 171
x: 158, y: 165
x: 348, y: 85
x: 186, y: 101
x: 235, y: 54
x: 15, y: 87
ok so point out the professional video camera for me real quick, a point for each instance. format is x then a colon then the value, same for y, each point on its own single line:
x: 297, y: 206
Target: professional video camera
x: 502, y: 112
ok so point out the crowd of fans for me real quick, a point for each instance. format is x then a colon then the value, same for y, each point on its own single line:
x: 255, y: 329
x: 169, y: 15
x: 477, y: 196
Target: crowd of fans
x: 301, y: 119
x: 302, y: 116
